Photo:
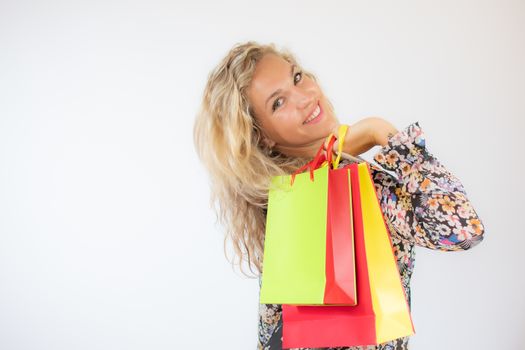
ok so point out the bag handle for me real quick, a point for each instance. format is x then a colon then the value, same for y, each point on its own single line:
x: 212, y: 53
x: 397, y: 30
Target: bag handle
x: 320, y: 158
x: 341, y: 133
x: 342, y: 130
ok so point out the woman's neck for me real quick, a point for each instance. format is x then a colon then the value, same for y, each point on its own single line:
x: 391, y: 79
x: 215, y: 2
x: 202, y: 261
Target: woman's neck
x: 302, y: 151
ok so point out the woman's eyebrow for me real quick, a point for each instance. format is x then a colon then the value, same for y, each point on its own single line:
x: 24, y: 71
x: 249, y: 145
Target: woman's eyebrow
x: 278, y: 91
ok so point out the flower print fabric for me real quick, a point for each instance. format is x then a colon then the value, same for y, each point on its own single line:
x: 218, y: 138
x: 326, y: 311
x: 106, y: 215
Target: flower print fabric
x: 426, y: 205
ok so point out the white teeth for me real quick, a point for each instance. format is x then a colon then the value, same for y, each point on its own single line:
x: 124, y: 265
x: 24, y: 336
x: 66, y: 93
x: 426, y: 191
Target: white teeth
x: 314, y: 114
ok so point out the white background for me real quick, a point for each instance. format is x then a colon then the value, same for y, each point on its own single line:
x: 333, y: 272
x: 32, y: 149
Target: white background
x: 107, y: 240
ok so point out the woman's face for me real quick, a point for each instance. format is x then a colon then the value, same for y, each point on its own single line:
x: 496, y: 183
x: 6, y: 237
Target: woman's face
x: 290, y: 107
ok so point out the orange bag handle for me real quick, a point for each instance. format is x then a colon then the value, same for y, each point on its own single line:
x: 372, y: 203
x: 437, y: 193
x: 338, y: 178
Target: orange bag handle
x: 320, y: 157
x: 318, y: 160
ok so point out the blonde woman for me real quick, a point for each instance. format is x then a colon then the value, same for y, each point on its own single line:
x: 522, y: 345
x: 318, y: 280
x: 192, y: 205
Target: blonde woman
x: 263, y: 115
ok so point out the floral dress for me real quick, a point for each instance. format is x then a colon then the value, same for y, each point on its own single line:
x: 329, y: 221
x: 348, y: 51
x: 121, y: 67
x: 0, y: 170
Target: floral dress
x: 426, y: 205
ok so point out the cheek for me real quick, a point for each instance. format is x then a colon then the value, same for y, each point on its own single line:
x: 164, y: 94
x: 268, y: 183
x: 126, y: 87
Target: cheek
x: 288, y: 119
x: 287, y: 129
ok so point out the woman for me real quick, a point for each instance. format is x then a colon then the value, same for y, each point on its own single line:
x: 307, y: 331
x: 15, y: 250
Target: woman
x: 264, y: 115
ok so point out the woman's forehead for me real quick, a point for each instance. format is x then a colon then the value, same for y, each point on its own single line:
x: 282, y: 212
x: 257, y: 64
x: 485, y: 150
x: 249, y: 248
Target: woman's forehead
x: 270, y: 73
x: 271, y: 67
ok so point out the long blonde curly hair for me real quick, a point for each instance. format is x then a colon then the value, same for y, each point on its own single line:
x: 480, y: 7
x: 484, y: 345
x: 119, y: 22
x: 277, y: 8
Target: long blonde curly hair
x: 228, y: 140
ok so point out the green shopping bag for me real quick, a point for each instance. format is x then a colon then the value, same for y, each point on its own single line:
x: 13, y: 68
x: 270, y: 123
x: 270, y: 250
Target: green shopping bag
x: 308, y: 247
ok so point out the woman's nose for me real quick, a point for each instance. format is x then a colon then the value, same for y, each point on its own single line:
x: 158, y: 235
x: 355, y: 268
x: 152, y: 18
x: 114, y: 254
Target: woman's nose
x: 304, y: 98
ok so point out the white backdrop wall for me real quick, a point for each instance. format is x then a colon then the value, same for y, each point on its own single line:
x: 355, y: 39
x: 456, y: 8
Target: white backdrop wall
x: 107, y: 240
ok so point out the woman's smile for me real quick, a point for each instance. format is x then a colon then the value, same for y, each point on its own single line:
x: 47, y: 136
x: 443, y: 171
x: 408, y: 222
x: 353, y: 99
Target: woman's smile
x: 316, y: 115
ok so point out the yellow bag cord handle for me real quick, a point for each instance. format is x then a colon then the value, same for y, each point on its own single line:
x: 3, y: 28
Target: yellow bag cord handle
x: 341, y: 133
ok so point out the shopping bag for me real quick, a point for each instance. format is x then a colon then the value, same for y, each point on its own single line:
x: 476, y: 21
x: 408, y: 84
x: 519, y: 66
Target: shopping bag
x: 308, y: 248
x: 382, y: 313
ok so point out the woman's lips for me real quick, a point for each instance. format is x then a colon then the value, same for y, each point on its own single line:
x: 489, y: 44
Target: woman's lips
x: 316, y: 119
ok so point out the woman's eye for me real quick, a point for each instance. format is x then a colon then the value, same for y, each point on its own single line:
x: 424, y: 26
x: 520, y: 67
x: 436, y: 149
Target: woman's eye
x: 301, y: 75
x: 276, y: 104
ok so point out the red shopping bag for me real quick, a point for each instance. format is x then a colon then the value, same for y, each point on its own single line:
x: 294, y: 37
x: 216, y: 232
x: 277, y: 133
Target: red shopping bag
x: 340, y: 259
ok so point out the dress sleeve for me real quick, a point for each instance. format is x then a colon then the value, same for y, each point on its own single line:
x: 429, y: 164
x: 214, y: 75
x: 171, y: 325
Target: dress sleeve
x: 427, y: 204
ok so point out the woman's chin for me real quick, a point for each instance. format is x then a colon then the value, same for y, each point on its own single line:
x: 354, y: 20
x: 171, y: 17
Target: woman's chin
x: 328, y: 126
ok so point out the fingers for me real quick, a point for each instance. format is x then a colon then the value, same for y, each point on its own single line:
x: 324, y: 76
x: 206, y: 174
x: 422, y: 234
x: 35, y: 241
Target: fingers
x: 326, y: 143
x: 334, y: 147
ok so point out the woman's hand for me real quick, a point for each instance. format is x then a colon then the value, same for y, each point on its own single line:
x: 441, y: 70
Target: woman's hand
x: 365, y: 134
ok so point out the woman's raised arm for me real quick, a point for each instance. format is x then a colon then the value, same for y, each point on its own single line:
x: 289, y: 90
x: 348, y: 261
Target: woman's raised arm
x: 427, y: 204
